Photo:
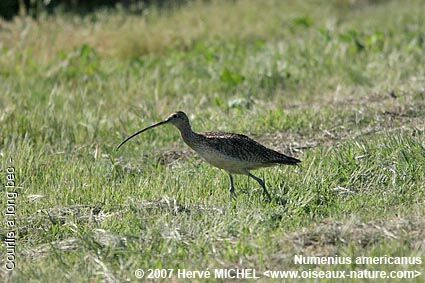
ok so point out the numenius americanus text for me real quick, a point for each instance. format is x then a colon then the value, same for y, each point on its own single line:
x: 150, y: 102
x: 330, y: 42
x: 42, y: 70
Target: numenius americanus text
x: 234, y: 153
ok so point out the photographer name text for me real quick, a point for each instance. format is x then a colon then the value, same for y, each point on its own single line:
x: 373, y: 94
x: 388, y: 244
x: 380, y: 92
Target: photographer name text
x: 10, y: 217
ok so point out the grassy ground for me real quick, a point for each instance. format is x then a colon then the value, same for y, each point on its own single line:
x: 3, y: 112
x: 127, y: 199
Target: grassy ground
x: 338, y: 84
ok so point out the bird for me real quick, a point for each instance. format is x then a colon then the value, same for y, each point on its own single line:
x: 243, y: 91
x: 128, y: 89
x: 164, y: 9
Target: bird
x: 234, y: 153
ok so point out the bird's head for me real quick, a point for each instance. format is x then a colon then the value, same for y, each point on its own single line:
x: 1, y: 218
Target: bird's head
x: 178, y: 119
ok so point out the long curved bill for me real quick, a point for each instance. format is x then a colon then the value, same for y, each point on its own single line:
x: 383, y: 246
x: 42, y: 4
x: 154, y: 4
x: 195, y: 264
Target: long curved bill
x: 141, y: 131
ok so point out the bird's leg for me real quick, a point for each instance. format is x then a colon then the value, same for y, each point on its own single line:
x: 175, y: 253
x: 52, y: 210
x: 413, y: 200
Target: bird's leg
x: 262, y: 184
x: 232, y: 187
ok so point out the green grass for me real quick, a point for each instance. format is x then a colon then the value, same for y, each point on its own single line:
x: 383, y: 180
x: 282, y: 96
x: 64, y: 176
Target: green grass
x: 339, y: 84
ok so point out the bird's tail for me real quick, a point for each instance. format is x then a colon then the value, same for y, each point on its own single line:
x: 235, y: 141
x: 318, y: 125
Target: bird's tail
x: 284, y: 159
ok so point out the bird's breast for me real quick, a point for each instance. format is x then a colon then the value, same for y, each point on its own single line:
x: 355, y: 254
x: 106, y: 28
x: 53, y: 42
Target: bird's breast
x: 223, y: 161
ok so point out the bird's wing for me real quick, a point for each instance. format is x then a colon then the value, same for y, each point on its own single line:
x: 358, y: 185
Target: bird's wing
x: 241, y: 147
x: 244, y: 148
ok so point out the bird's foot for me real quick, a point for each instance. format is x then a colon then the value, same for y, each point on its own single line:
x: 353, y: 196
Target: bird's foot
x: 266, y: 193
x: 232, y: 194
x: 267, y: 196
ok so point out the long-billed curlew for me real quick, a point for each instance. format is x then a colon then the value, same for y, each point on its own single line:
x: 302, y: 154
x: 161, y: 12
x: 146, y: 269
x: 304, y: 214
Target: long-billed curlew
x: 236, y: 154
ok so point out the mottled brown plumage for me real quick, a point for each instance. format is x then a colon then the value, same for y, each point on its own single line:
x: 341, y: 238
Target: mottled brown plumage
x: 234, y: 153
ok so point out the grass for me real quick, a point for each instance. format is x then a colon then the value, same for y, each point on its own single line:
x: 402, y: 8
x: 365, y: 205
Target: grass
x: 339, y: 84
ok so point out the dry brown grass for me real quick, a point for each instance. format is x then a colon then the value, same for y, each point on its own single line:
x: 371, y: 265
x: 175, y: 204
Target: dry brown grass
x: 325, y: 238
x: 123, y: 35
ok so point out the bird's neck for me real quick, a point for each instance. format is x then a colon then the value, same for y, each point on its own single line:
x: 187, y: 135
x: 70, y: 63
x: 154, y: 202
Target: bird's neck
x: 189, y: 136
